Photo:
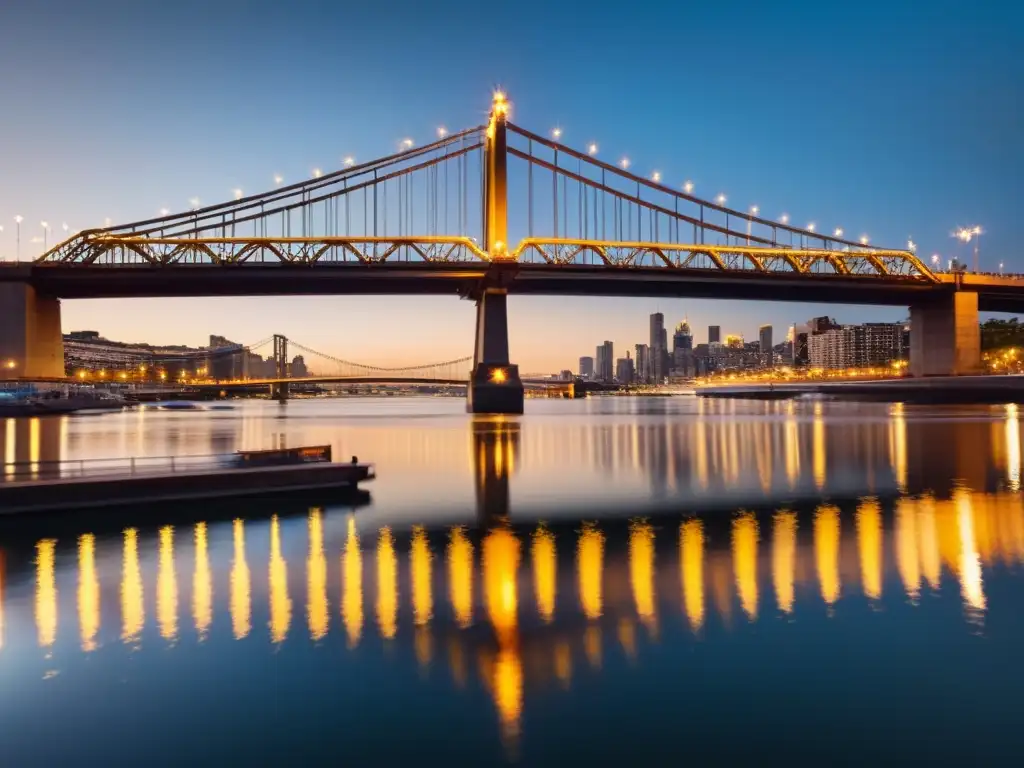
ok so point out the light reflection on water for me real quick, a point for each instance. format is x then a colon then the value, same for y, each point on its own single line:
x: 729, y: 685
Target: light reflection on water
x: 514, y: 598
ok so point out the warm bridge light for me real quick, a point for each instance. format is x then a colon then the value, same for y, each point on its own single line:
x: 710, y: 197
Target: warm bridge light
x: 498, y: 376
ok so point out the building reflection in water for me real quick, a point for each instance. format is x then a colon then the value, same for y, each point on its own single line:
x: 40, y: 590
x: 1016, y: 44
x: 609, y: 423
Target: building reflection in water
x: 869, y: 543
x: 133, y: 611
x: 545, y: 567
x: 784, y: 558
x: 387, y: 584
x: 589, y: 564
x: 280, y: 600
x: 744, y: 554
x: 317, y: 612
x: 46, y: 593
x: 202, y: 584
x: 928, y: 539
x: 88, y: 592
x: 460, y: 576
x: 641, y: 572
x: 1012, y: 429
x: 691, y: 570
x: 167, y: 587
x: 241, y: 585
x: 352, y: 586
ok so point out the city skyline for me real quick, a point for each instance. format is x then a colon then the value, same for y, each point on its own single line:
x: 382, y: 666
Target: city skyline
x: 120, y: 165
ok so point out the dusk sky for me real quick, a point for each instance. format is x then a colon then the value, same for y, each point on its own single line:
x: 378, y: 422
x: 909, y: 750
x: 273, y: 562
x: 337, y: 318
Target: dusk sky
x: 894, y: 119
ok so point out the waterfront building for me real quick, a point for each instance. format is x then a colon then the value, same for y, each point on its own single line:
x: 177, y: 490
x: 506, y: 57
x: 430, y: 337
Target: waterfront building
x: 605, y: 362
x: 643, y: 363
x: 586, y: 367
x: 658, y: 349
x: 714, y: 334
x: 764, y: 337
x: 855, y: 346
x: 624, y: 371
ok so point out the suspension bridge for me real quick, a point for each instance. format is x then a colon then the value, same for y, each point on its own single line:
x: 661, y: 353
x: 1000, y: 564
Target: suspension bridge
x: 437, y: 219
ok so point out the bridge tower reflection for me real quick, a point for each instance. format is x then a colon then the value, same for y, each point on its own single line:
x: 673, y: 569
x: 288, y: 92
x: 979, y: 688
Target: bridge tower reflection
x: 495, y: 453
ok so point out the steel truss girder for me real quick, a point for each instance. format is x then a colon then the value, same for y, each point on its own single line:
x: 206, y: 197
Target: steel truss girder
x: 110, y: 250
x: 876, y: 263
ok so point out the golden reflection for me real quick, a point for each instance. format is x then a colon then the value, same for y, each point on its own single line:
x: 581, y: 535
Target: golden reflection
x: 501, y: 565
x: 869, y: 542
x: 167, y: 586
x: 46, y: 592
x: 701, y: 448
x: 3, y: 576
x: 423, y: 645
x: 419, y: 568
x: 1012, y: 430
x: 457, y: 662
x: 590, y: 564
x: 908, y: 561
x: 508, y: 689
x: 971, y: 585
x: 133, y: 614
x: 352, y: 589
x: 563, y: 663
x: 280, y: 601
x: 545, y: 568
x: 10, y: 453
x: 318, y: 615
x: 241, y: 589
x: 88, y: 592
x: 826, y: 551
x: 818, y: 449
x: 744, y: 556
x: 387, y: 584
x: 931, y: 565
x: 641, y: 571
x: 202, y: 584
x: 592, y: 645
x: 34, y: 445
x: 691, y: 568
x: 784, y: 558
x: 898, y: 444
x: 792, y: 442
x: 627, y: 637
x: 460, y: 576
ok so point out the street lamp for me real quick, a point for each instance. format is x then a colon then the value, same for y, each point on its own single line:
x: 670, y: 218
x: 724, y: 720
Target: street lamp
x: 754, y: 210
x: 624, y: 162
x: 592, y: 149
x: 278, y: 179
x: 407, y: 144
x: 46, y: 230
x: 839, y: 232
x: 1000, y: 267
x: 656, y: 177
x: 17, y: 226
x: 688, y: 187
x: 911, y: 245
x: 165, y: 211
x: 349, y: 161
x: 721, y: 199
x: 935, y: 260
x: 317, y: 173
x: 784, y: 218
x: 238, y: 194
x: 441, y: 131
x: 556, y: 133
x: 864, y: 240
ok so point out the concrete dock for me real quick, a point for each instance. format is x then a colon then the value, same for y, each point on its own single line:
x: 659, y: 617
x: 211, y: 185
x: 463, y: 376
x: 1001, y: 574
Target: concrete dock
x: 41, y: 488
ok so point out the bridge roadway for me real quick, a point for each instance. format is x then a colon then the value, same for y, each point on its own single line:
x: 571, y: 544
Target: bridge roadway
x: 70, y: 281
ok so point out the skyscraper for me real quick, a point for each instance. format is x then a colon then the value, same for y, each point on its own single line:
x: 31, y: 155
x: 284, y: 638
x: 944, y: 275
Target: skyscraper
x: 764, y: 335
x: 586, y: 367
x: 714, y: 334
x: 643, y: 363
x: 624, y: 371
x: 659, y: 348
x: 682, y: 350
x: 605, y: 362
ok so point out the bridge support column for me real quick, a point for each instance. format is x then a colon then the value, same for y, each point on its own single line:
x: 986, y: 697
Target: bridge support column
x: 945, y: 338
x: 31, y: 345
x: 494, y: 384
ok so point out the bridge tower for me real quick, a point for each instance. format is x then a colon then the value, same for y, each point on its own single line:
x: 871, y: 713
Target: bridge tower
x: 279, y: 391
x: 494, y: 383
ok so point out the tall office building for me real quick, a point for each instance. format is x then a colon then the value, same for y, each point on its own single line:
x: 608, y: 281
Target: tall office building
x: 624, y: 371
x: 605, y: 362
x: 586, y: 367
x: 682, y: 351
x: 764, y: 335
x: 659, y: 348
x: 643, y: 363
x: 714, y: 334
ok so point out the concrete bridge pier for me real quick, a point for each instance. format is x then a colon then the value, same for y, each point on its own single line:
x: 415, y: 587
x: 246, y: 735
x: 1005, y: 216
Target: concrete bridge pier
x: 31, y: 345
x: 945, y: 338
x: 494, y: 383
x: 279, y: 391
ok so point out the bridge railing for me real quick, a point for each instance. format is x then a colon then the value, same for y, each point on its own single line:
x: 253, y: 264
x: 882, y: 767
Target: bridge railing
x: 113, y: 467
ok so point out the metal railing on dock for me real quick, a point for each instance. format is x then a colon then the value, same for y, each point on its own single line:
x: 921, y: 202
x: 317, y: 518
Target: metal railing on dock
x: 156, y: 465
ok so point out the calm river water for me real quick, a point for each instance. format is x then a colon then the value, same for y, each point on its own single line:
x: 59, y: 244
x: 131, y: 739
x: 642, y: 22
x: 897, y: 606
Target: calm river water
x: 608, y: 581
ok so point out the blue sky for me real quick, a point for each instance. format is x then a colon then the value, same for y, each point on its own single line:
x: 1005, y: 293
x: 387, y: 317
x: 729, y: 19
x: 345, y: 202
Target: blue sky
x: 893, y: 119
